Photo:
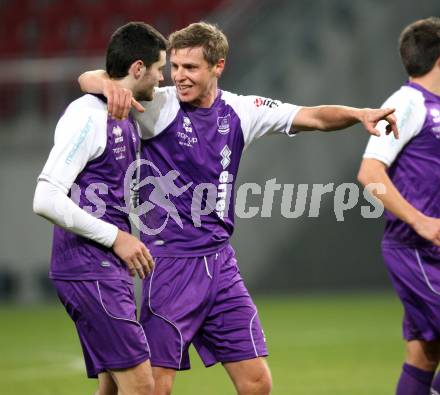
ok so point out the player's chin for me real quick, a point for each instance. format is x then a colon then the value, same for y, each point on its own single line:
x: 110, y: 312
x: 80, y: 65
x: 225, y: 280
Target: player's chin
x: 185, y: 98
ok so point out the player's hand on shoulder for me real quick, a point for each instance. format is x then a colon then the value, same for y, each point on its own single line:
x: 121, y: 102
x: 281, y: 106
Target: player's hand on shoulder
x: 429, y: 229
x: 119, y: 100
x: 371, y: 116
x: 134, y: 253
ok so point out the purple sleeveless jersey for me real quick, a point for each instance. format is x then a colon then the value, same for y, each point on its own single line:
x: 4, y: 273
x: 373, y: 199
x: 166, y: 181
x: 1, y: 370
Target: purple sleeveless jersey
x: 416, y: 173
x: 99, y: 189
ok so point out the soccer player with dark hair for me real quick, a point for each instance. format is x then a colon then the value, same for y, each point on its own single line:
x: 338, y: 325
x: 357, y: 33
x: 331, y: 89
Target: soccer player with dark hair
x: 79, y: 190
x: 196, y: 294
x: 409, y: 170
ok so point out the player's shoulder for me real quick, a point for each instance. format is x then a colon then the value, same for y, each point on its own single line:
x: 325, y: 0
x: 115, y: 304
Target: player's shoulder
x: 241, y: 104
x: 165, y: 91
x: 235, y: 98
x: 162, y: 96
x: 86, y: 115
x: 88, y: 103
x: 250, y: 101
x: 159, y: 112
x: 87, y: 107
x: 410, y: 107
x: 406, y: 95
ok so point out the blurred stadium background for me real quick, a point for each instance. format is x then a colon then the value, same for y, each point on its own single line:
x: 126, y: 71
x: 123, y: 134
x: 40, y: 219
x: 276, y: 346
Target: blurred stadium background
x: 303, y: 51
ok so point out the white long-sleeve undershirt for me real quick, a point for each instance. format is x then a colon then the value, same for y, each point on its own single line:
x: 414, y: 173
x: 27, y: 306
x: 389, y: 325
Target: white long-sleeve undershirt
x: 53, y: 204
x: 80, y: 136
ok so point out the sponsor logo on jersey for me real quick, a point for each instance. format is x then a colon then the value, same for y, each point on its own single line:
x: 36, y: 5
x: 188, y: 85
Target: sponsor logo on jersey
x: 225, y: 184
x: 185, y: 137
x: 119, y: 152
x: 223, y: 124
x: 261, y: 101
x: 117, y: 132
x: 225, y: 153
x: 187, y: 125
x: 435, y: 113
x: 223, y: 193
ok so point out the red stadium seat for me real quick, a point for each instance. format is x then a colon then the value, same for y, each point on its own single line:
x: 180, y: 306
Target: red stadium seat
x: 81, y: 27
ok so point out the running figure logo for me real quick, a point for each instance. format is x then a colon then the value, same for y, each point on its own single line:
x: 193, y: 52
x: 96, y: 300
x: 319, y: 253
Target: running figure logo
x: 164, y: 186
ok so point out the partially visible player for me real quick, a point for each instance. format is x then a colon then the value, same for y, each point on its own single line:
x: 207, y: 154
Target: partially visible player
x: 195, y: 293
x: 409, y: 168
x: 93, y: 252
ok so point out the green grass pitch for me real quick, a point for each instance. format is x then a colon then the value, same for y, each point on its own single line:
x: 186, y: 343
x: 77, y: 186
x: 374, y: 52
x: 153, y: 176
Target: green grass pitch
x: 343, y: 345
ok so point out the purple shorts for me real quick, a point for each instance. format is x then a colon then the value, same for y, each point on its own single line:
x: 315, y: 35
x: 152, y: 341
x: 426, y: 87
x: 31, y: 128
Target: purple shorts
x: 104, y: 313
x: 415, y: 274
x: 203, y: 301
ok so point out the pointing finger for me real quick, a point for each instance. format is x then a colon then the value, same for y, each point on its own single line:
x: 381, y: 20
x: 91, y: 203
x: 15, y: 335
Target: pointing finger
x: 387, y: 111
x: 138, y: 106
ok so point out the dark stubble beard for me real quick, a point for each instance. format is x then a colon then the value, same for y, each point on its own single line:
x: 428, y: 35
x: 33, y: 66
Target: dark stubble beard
x: 144, y: 96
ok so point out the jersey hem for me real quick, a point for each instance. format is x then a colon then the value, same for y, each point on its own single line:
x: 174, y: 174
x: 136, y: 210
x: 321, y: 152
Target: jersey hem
x: 195, y: 253
x: 88, y: 277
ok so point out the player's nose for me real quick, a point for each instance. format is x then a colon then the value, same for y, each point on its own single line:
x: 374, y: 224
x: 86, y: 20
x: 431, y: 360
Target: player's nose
x: 179, y: 74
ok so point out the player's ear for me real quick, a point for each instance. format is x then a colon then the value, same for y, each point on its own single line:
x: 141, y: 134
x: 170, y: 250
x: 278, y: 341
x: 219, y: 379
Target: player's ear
x: 219, y: 67
x: 437, y: 62
x: 137, y: 69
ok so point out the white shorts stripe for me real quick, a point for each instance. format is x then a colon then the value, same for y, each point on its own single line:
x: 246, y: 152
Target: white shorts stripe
x: 165, y: 319
x: 252, y: 336
x: 424, y: 273
x: 122, y: 319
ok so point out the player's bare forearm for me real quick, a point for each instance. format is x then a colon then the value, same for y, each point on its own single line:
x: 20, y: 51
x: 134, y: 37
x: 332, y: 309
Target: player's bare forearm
x: 93, y: 81
x: 330, y: 118
x: 373, y: 171
x: 325, y: 118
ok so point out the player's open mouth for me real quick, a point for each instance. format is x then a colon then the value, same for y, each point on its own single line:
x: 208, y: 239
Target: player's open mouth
x: 184, y: 88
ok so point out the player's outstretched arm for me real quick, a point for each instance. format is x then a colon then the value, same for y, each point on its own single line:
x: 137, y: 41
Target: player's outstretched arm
x: 373, y: 172
x: 329, y: 118
x: 119, y: 99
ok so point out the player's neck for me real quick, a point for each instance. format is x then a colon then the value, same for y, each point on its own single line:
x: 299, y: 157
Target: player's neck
x: 207, y: 100
x: 430, y: 81
x: 125, y: 82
